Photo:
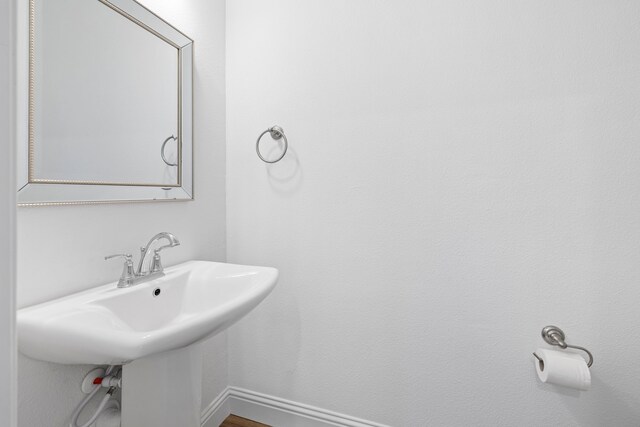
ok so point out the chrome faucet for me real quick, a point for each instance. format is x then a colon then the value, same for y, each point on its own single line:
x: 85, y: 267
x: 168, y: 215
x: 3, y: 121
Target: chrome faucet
x: 130, y: 276
x: 156, y: 265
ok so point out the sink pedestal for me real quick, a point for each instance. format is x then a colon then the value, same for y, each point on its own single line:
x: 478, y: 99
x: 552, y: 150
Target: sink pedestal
x: 163, y: 390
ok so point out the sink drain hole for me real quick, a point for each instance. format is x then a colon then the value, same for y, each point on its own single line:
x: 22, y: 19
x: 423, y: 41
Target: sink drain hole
x: 156, y: 292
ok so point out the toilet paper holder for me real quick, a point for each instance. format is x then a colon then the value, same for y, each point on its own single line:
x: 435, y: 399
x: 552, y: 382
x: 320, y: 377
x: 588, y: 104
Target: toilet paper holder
x: 555, y: 336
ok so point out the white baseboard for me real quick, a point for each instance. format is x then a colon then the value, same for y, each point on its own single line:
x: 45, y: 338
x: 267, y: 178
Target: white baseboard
x: 217, y: 410
x: 274, y: 411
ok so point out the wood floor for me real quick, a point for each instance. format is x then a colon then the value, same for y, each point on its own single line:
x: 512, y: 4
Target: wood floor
x: 235, y: 421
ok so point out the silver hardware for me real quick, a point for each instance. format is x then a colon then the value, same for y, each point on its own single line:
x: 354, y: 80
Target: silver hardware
x: 277, y: 133
x: 164, y: 144
x: 540, y: 361
x: 156, y: 263
x: 130, y: 276
x: 156, y: 266
x: 555, y: 336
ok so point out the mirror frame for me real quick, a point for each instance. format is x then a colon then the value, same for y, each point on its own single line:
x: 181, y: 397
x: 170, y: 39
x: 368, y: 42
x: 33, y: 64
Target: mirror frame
x: 41, y: 192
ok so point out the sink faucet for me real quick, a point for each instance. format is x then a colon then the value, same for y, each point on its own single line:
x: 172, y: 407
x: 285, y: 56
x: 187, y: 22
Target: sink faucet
x: 130, y: 276
x: 156, y: 265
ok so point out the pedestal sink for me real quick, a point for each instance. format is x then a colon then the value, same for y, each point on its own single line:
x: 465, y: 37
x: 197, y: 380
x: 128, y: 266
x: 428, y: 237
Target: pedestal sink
x: 153, y: 329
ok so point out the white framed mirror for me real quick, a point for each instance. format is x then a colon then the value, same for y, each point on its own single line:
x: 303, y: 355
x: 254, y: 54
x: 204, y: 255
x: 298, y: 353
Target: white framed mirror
x: 109, y: 103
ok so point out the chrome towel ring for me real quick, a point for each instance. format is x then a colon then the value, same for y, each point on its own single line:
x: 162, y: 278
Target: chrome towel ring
x: 164, y: 144
x: 276, y: 133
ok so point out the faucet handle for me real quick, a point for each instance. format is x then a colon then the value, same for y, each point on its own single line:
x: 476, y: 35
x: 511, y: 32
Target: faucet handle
x: 156, y: 263
x: 127, y: 276
x: 127, y: 257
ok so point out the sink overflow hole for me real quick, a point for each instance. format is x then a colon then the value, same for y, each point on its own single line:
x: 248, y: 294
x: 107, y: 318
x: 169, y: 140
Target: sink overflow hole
x: 156, y: 292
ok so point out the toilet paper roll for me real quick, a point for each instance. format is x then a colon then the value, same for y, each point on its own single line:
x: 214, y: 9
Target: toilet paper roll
x: 563, y: 368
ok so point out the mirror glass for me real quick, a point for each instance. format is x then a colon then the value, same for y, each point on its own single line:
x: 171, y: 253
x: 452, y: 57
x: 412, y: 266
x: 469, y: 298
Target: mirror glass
x: 110, y: 89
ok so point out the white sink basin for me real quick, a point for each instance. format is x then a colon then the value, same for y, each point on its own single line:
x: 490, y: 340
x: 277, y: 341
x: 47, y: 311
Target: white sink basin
x: 110, y: 325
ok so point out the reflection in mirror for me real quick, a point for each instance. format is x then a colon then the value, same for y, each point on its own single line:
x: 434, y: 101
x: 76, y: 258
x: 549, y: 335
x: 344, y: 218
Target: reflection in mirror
x: 109, y: 104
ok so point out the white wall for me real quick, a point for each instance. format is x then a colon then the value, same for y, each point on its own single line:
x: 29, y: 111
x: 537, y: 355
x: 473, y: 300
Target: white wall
x: 8, y: 399
x: 460, y: 175
x: 61, y: 249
